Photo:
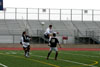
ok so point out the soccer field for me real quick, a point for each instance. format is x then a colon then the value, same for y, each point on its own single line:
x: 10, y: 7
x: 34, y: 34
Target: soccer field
x: 38, y: 59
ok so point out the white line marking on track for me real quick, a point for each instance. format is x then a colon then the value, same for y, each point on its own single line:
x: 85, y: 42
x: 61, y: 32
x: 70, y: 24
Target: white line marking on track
x: 3, y: 65
x: 80, y: 54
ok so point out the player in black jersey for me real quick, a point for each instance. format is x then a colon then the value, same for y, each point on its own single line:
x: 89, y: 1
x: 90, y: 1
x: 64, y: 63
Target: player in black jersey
x: 53, y: 46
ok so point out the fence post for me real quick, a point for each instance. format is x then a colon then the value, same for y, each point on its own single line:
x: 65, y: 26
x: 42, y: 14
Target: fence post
x: 13, y: 39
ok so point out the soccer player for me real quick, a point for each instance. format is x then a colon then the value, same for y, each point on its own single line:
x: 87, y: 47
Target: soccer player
x: 49, y: 32
x: 25, y: 41
x: 53, y: 46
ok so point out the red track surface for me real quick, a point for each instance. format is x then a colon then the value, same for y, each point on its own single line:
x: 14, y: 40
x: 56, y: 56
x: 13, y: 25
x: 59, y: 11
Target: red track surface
x: 65, y: 49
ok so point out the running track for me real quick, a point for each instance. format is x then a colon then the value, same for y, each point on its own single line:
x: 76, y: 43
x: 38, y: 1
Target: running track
x: 65, y: 49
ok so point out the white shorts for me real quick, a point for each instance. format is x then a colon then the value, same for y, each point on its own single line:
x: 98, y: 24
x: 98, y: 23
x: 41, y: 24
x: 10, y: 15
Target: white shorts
x: 25, y: 44
x: 53, y: 49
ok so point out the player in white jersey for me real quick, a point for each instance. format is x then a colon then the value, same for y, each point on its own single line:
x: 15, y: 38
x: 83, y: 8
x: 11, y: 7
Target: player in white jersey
x: 49, y: 32
x: 25, y: 41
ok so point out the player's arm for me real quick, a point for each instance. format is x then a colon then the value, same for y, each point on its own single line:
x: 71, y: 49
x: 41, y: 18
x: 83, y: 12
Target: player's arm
x: 49, y: 41
x: 48, y: 31
x: 30, y: 37
x: 58, y: 43
x: 21, y: 41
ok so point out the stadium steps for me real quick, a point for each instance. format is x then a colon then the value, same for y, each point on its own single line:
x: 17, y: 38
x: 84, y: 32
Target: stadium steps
x: 3, y: 27
x: 13, y: 27
x: 80, y: 28
x: 97, y: 23
x: 63, y: 27
x: 91, y: 25
x: 21, y: 24
x: 34, y: 26
x: 70, y: 27
x: 59, y: 26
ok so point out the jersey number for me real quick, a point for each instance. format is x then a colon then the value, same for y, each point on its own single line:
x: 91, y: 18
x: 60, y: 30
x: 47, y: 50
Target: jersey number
x: 53, y: 40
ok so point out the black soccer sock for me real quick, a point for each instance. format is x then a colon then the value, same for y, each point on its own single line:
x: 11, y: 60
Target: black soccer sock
x: 28, y: 49
x: 56, y: 55
x: 25, y: 52
x: 49, y: 54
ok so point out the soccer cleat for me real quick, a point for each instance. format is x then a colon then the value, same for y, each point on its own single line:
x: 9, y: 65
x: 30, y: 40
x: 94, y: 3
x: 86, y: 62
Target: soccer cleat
x: 47, y: 58
x: 55, y: 58
x: 27, y: 54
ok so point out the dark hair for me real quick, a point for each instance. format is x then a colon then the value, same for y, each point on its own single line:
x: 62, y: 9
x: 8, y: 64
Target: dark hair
x: 54, y: 34
x: 23, y: 33
x: 50, y: 25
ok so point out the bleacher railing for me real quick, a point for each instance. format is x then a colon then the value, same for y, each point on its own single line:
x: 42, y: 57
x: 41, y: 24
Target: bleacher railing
x: 50, y: 14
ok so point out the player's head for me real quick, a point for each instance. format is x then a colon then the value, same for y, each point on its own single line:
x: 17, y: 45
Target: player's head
x: 54, y: 35
x: 50, y: 26
x: 24, y: 33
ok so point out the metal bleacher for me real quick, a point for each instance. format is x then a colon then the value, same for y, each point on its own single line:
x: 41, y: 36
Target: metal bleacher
x: 9, y: 27
x: 67, y: 22
x: 17, y: 26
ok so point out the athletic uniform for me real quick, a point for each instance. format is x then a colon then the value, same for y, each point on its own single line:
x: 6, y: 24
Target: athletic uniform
x: 47, y: 32
x: 26, y: 45
x: 25, y: 41
x: 53, y: 44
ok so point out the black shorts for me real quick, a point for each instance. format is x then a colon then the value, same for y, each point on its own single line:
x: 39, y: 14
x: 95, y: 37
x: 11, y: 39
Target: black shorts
x: 46, y: 36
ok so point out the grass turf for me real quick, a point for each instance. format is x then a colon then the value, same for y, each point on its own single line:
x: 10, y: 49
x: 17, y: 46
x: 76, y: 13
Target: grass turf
x: 38, y: 59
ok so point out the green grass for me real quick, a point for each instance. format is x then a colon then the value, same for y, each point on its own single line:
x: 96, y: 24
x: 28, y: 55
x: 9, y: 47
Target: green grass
x: 38, y: 59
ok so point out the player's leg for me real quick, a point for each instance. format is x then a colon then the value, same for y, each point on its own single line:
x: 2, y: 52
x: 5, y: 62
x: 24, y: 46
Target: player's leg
x: 28, y: 50
x: 49, y: 53
x: 56, y: 50
x: 46, y: 36
x: 25, y: 50
x: 56, y: 55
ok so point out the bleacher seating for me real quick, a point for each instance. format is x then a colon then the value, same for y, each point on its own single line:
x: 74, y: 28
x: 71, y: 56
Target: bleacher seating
x: 63, y: 27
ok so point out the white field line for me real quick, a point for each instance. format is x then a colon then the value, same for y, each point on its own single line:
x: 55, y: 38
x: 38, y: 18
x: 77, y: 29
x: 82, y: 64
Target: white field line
x: 1, y: 53
x: 80, y: 55
x: 3, y: 65
x: 13, y: 53
x: 68, y: 61
x: 7, y: 52
x: 62, y: 60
